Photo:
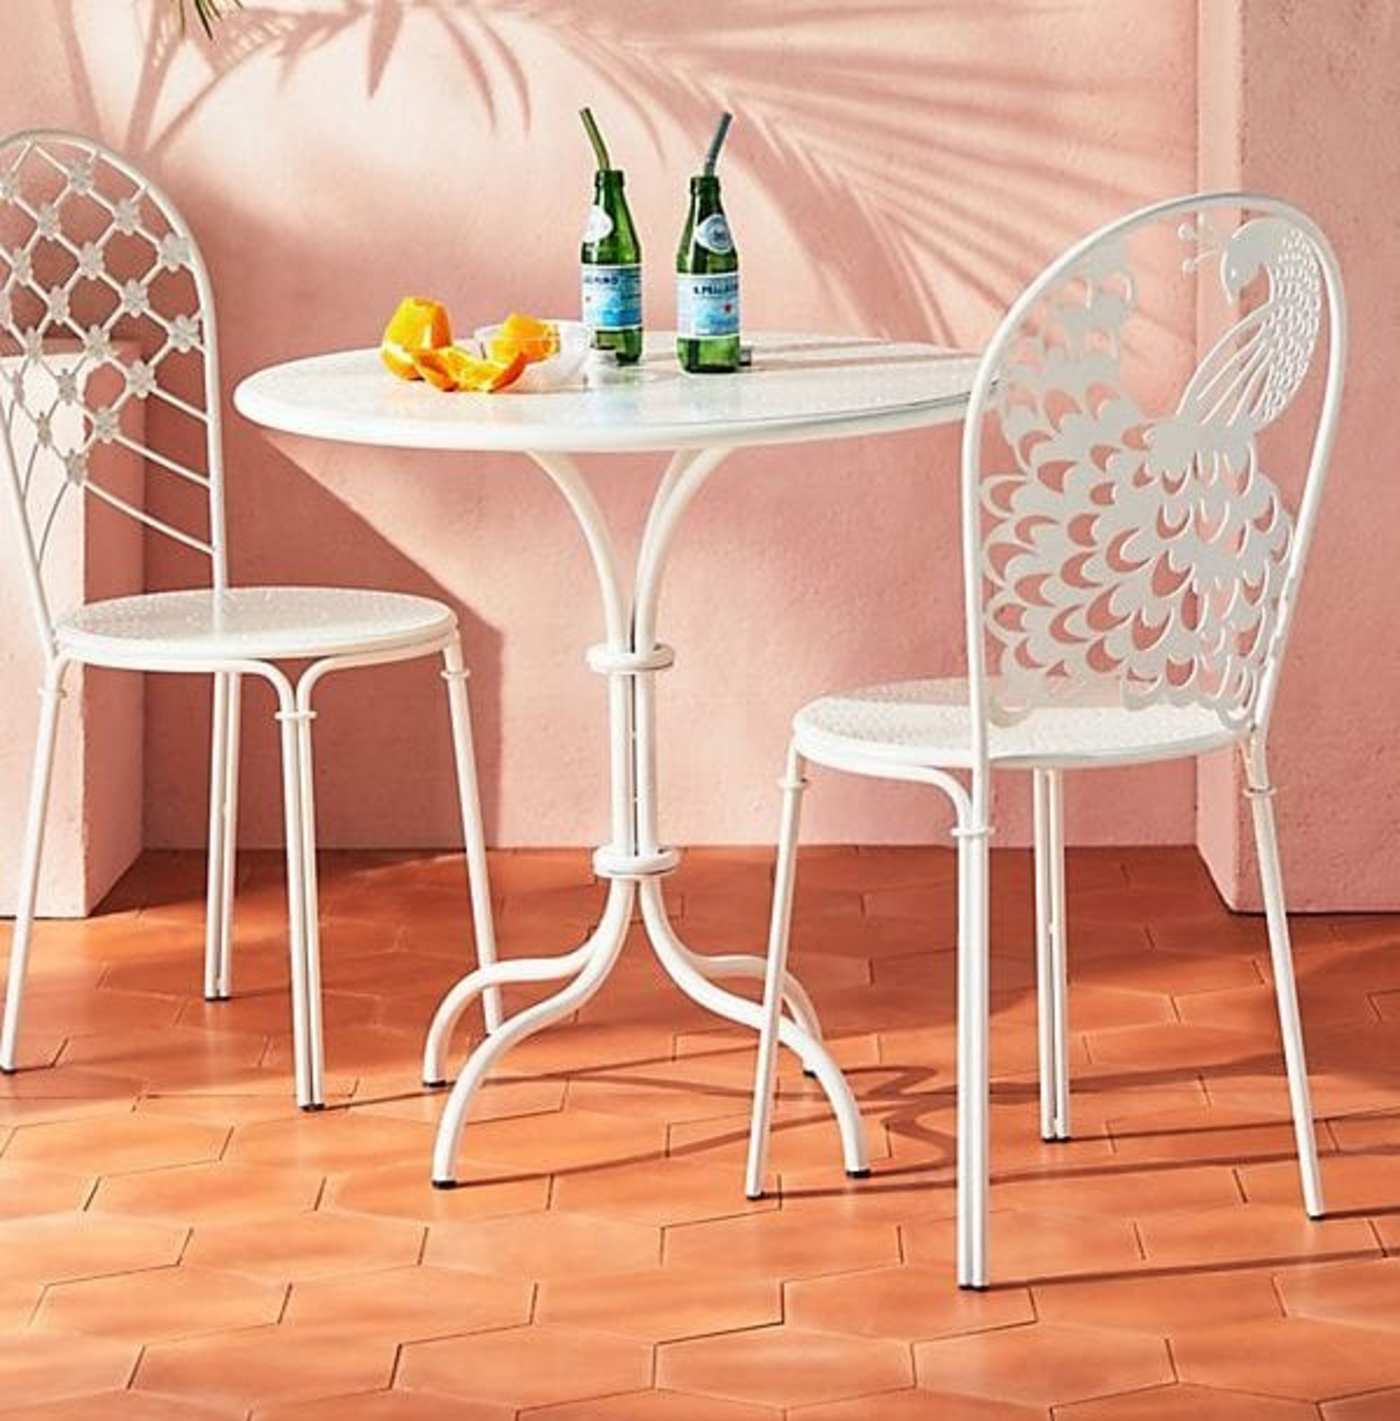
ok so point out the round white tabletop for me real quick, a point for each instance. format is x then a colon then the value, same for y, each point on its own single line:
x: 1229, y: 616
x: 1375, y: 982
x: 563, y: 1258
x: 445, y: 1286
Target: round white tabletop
x: 799, y: 387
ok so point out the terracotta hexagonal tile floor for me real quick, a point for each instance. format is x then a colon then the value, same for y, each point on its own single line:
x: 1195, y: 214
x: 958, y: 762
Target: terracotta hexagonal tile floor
x: 408, y: 1304
x: 663, y: 1304
x: 180, y: 1243
x: 528, y: 1366
x: 159, y: 1305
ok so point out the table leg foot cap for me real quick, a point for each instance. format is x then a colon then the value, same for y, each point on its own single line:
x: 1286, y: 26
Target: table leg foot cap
x: 433, y: 1085
x: 972, y: 1287
x: 216, y: 996
x: 444, y: 1184
x: 754, y: 1198
x: 811, y: 1075
x: 858, y: 1174
x: 9, y: 1070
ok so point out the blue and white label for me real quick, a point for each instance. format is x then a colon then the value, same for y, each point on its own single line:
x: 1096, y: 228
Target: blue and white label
x: 612, y: 297
x: 707, y: 305
x: 714, y: 235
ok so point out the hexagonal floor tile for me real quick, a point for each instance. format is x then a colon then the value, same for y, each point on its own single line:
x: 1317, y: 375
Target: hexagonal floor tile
x: 402, y: 1096
x: 662, y: 1304
x: 548, y: 1245
x: 1160, y: 1303
x: 916, y: 1406
x: 652, y: 1406
x: 115, y: 1144
x: 1251, y: 1233
x: 405, y: 1191
x: 783, y: 1366
x: 1378, y: 1406
x: 527, y: 1366
x: 905, y: 1302
x: 409, y: 1304
x: 208, y: 1193
x: 1030, y: 1246
x: 1355, y: 1184
x: 35, y: 1367
x: 1171, y: 1403
x: 176, y: 1057
x: 1207, y: 1134
x: 331, y: 1141
x: 1291, y: 1357
x: 780, y: 1246
x: 387, y: 1406
x: 81, y: 1013
x: 1126, y: 1193
x: 1367, y: 1294
x: 664, y: 1191
x: 116, y: 1406
x: 56, y: 1248
x: 565, y: 1140
x: 306, y: 1246
x: 1042, y: 1365
x: 25, y: 1191
x: 159, y: 1304
x: 893, y: 1193
x: 261, y: 1365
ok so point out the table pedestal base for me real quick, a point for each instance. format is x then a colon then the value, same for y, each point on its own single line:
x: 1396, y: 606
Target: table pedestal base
x: 633, y: 862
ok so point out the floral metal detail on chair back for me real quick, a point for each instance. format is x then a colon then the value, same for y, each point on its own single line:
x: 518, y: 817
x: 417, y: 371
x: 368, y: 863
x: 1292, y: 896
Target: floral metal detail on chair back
x: 106, y: 340
x: 1148, y: 550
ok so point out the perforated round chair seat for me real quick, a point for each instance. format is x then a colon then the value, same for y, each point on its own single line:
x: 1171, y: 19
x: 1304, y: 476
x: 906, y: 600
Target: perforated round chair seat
x: 254, y: 623
x: 930, y: 723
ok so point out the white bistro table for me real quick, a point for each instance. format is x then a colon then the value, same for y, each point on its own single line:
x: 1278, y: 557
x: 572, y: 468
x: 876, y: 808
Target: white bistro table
x: 799, y: 389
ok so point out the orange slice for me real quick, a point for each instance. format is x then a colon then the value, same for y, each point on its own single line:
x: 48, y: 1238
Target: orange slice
x: 418, y: 325
x: 524, y: 335
x: 452, y: 368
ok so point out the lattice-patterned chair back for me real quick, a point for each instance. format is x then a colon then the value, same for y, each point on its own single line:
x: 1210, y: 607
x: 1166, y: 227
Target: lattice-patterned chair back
x: 106, y: 313
x: 1122, y: 537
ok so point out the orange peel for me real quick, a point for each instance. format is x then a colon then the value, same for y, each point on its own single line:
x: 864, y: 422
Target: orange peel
x: 451, y: 368
x: 524, y: 335
x: 419, y: 325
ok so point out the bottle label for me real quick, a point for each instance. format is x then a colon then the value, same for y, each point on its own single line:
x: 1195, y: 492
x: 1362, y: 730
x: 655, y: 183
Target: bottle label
x: 714, y: 235
x: 612, y: 297
x: 598, y: 226
x: 707, y: 305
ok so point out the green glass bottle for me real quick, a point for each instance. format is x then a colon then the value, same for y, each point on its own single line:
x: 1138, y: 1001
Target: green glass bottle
x: 707, y: 278
x: 611, y: 259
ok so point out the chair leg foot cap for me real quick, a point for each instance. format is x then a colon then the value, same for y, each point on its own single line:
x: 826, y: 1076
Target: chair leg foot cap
x: 858, y: 1173
x: 314, y: 1106
x: 811, y: 1075
x: 753, y: 1198
x: 9, y: 1070
x: 973, y: 1287
x: 444, y: 1184
x: 434, y: 1085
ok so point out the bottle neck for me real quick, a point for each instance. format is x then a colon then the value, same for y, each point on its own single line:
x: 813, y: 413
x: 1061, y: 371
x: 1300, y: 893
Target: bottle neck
x: 607, y: 185
x: 704, y: 194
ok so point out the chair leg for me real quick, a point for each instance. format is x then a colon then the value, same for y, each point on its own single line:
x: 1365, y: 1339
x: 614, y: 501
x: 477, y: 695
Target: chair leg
x: 973, y: 1027
x: 1059, y: 950
x: 473, y: 831
x: 1260, y: 794
x: 223, y: 835
x: 287, y: 717
x: 779, y: 932
x: 41, y: 778
x: 1044, y: 968
x: 311, y: 908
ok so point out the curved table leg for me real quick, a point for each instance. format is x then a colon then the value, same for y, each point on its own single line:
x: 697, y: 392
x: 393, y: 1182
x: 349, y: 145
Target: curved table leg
x: 675, y: 957
x: 598, y: 955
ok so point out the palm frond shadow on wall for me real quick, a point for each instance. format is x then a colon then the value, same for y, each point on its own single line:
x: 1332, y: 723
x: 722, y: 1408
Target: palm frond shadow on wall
x: 915, y: 146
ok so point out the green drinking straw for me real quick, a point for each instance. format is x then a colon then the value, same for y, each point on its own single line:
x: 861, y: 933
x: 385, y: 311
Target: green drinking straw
x: 716, y: 143
x: 600, y: 149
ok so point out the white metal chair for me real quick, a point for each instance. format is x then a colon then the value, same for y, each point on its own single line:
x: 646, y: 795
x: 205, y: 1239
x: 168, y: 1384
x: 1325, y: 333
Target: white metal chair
x: 1129, y: 581
x: 106, y: 306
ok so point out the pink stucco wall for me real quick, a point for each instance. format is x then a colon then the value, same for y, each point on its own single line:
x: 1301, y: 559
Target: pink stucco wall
x: 896, y: 169
x: 1294, y: 99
